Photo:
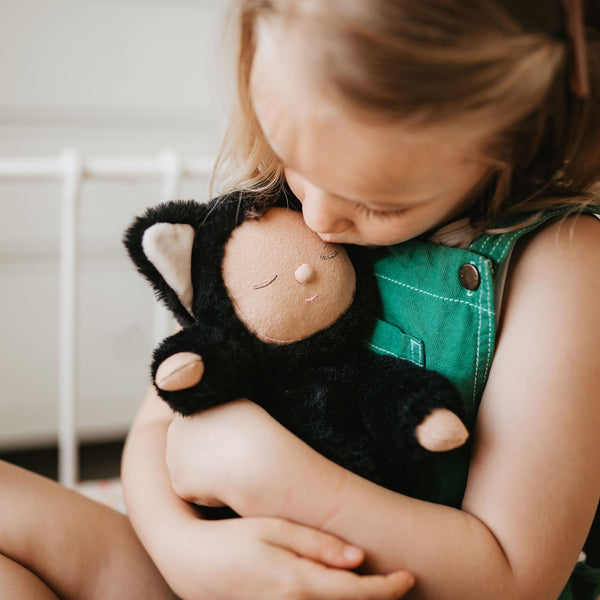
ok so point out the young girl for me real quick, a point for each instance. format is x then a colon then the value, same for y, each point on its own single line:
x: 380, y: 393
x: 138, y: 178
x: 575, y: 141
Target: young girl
x: 462, y: 135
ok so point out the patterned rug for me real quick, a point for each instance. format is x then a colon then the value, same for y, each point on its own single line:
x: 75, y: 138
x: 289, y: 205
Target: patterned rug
x: 105, y: 491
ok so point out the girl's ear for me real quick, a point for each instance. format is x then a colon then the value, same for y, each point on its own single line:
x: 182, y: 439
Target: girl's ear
x: 160, y: 243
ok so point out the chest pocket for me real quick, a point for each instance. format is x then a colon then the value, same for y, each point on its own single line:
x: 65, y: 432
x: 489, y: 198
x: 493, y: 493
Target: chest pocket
x: 391, y: 341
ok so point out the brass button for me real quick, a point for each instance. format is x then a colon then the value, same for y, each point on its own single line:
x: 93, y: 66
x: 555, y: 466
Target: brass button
x: 469, y: 277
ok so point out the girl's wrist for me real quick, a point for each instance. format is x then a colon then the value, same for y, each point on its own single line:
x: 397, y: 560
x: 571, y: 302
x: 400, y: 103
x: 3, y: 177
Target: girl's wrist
x: 321, y: 504
x: 311, y: 492
x: 161, y: 534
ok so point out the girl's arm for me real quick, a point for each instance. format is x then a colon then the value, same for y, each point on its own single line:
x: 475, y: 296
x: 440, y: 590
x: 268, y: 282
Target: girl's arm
x: 237, y: 558
x: 534, y: 481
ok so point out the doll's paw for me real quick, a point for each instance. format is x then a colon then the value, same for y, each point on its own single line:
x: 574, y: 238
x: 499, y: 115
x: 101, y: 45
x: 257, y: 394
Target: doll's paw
x: 179, y: 372
x: 441, y: 431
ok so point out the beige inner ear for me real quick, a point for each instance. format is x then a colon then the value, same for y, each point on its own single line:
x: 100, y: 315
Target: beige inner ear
x: 168, y: 246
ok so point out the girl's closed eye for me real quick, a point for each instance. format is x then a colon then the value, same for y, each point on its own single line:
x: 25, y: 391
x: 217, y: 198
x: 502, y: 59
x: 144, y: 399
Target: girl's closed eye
x: 328, y: 256
x: 379, y: 214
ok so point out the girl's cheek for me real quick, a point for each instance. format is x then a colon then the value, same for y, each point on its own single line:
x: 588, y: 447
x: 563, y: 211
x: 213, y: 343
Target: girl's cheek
x: 294, y: 183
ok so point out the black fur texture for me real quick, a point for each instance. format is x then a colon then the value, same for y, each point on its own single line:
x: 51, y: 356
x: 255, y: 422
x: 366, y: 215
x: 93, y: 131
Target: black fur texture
x: 355, y: 407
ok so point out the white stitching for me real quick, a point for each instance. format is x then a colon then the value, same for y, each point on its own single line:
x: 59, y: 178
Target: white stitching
x: 376, y: 347
x: 498, y: 240
x: 509, y: 243
x: 372, y: 345
x: 478, y: 307
x: 489, y: 343
x: 490, y: 326
x: 486, y: 242
x: 476, y: 361
x: 415, y: 347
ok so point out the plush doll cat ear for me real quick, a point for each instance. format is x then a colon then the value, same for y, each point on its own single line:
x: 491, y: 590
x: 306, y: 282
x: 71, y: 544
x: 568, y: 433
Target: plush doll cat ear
x: 160, y: 243
x: 168, y: 246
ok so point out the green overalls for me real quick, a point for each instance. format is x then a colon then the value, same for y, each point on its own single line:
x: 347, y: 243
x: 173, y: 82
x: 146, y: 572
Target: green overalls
x: 438, y: 311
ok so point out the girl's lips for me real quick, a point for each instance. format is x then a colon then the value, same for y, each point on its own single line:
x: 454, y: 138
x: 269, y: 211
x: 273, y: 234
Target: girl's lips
x: 330, y: 238
x: 312, y: 299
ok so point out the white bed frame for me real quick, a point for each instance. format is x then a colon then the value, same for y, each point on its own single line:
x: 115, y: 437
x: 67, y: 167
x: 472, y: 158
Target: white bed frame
x: 73, y: 170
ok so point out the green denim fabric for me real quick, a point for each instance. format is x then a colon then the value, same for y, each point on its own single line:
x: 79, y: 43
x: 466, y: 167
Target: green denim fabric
x: 430, y: 318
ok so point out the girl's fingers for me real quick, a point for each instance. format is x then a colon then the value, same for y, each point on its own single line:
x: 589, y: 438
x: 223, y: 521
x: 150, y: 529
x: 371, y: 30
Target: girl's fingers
x: 332, y: 579
x: 346, y: 585
x: 315, y: 545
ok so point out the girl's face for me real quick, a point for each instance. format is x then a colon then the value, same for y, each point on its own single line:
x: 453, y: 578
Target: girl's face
x: 360, y: 180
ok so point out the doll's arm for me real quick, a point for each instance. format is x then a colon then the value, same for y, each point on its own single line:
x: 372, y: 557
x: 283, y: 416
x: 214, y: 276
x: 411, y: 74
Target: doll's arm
x: 192, y: 374
x: 534, y: 482
x: 406, y: 408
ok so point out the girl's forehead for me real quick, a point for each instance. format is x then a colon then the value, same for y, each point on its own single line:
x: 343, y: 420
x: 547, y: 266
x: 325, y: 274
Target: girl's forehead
x: 341, y: 149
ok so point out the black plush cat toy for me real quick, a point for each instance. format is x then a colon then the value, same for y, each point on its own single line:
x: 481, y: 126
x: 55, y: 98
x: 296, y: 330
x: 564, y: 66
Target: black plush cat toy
x: 272, y: 313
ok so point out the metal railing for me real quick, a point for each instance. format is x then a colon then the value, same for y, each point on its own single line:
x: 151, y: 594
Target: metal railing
x: 73, y: 169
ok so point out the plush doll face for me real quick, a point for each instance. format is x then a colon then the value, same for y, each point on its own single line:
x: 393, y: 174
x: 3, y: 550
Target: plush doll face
x: 285, y: 283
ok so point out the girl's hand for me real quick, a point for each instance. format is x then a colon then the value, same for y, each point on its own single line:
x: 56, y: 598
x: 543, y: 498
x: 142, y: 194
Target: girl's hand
x: 254, y: 558
x: 233, y: 559
x: 237, y: 455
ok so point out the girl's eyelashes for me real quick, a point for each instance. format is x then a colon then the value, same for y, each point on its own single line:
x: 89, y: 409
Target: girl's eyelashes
x: 379, y: 214
x: 328, y: 256
x: 264, y: 284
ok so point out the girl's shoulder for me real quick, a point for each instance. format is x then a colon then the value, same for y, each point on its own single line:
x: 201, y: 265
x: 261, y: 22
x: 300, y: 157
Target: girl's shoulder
x: 568, y: 247
x: 552, y: 287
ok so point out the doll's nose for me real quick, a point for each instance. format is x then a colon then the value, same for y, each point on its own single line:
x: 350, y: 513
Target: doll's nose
x: 304, y: 273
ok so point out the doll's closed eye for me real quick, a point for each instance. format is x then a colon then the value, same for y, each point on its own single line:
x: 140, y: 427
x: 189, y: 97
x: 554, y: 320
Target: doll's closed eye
x: 329, y: 256
x: 264, y: 284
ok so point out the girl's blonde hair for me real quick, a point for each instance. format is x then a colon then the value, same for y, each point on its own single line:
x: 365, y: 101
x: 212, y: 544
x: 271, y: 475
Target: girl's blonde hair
x: 506, y: 63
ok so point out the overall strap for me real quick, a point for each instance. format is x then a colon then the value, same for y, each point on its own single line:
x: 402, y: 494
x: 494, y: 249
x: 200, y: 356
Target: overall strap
x: 497, y: 246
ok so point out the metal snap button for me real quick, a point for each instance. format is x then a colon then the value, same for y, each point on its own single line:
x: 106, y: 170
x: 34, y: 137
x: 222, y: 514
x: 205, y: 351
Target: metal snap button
x: 469, y: 277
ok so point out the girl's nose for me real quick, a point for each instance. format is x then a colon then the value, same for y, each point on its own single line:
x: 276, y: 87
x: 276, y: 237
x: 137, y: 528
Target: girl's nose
x: 324, y: 213
x: 304, y: 273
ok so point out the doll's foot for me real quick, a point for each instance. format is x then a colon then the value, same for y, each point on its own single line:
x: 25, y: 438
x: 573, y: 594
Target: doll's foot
x: 441, y: 431
x: 179, y: 372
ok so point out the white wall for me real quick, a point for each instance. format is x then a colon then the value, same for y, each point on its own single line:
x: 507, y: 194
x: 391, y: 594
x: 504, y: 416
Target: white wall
x: 108, y: 78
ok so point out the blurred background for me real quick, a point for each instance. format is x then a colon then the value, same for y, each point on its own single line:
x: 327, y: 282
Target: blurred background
x: 118, y: 82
